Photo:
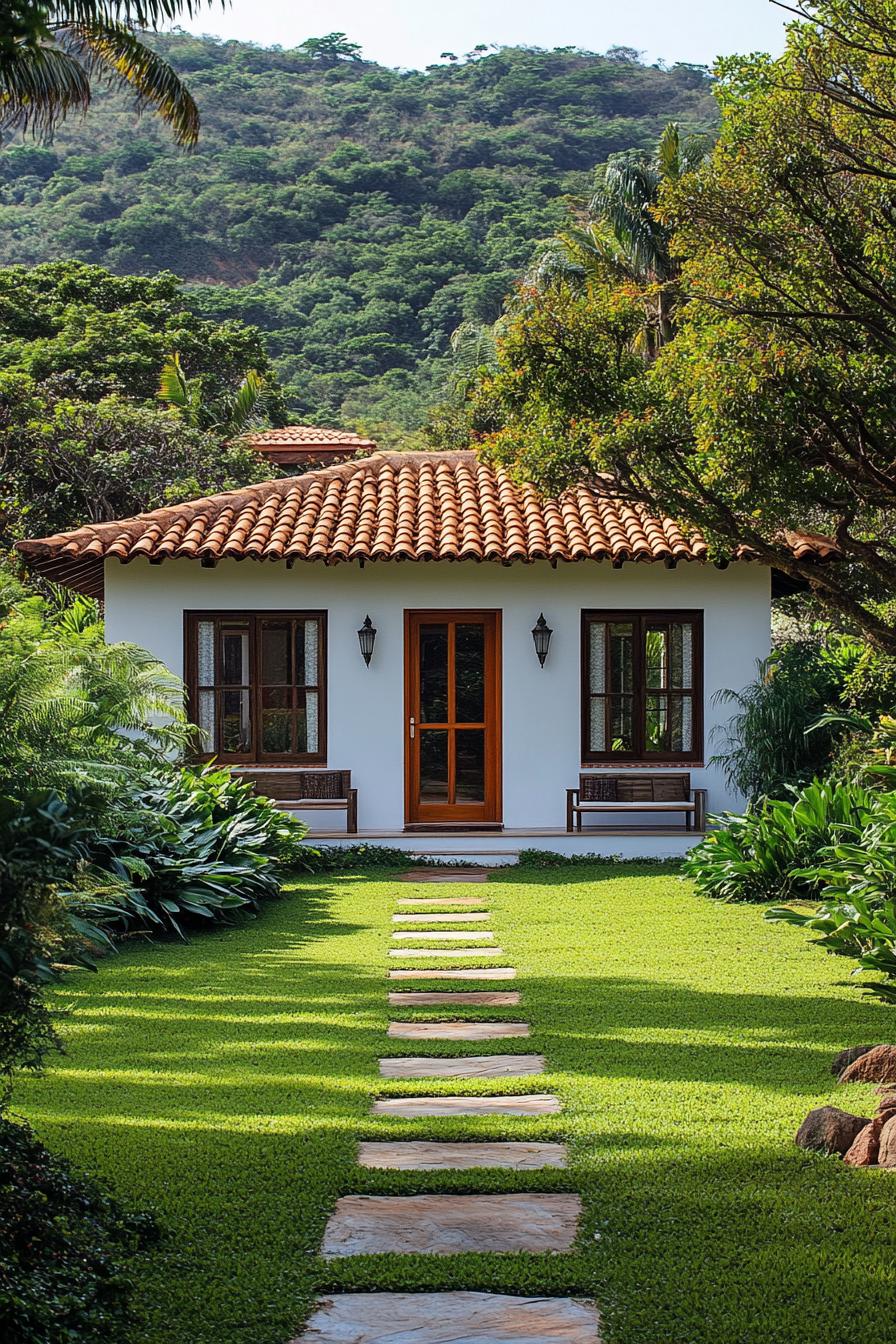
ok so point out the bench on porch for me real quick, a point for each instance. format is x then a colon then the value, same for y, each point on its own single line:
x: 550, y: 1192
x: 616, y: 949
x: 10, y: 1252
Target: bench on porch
x: 309, y: 791
x: 666, y: 792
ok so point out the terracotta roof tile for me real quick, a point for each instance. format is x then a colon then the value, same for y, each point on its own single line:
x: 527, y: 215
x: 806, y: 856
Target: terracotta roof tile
x: 305, y: 436
x: 390, y: 506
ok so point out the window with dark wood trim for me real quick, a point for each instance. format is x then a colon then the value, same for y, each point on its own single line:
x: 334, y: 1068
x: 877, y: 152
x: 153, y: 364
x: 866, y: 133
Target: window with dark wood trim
x: 256, y: 684
x: 642, y: 686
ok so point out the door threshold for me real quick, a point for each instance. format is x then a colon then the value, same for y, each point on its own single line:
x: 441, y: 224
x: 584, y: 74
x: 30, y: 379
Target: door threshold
x: 453, y: 828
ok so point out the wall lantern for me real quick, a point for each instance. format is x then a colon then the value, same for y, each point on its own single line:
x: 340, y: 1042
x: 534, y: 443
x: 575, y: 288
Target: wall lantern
x: 541, y: 634
x: 367, y: 639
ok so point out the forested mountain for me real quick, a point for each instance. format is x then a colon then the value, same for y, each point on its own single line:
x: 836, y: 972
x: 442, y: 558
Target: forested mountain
x: 357, y: 214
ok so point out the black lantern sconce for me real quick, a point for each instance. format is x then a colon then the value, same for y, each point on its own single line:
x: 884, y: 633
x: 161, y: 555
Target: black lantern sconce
x: 367, y: 639
x: 541, y: 634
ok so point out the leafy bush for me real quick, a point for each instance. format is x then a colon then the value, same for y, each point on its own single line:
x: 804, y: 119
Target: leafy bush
x: 856, y: 876
x: 773, y: 740
x: 764, y: 854
x: 64, y: 1245
x: 195, y: 844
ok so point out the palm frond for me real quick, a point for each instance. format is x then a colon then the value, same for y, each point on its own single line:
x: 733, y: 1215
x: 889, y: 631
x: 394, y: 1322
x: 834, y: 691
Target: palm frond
x: 143, y: 14
x: 246, y: 401
x: 39, y: 87
x: 114, y: 51
x: 173, y: 383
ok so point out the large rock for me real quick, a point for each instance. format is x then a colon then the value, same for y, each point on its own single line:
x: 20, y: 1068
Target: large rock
x: 847, y: 1057
x: 866, y: 1145
x: 874, y: 1066
x: 830, y: 1130
x: 886, y: 1155
x: 887, y: 1104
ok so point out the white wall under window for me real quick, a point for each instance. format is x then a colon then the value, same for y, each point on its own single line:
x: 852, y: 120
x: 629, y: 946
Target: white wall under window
x: 541, y: 706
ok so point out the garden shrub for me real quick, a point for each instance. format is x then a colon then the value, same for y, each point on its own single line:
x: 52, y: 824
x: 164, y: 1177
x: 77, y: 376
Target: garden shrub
x: 765, y: 854
x: 193, y: 845
x: 855, y: 875
x: 63, y: 1251
x: 774, y: 739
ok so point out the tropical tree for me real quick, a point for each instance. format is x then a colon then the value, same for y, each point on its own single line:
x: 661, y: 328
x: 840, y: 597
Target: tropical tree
x: 53, y: 51
x: 228, y: 417
x: 620, y: 236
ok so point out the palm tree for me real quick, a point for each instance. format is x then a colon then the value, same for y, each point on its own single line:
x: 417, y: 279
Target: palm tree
x: 52, y: 52
x: 229, y: 417
x: 619, y: 233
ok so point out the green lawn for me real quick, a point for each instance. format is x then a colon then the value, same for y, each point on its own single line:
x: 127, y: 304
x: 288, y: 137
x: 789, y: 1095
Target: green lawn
x: 224, y: 1085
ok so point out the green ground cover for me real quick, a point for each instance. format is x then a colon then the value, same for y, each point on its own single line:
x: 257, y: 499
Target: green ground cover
x: 224, y: 1084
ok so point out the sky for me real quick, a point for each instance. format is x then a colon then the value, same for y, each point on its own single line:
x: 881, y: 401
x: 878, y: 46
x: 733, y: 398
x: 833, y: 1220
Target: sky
x: 413, y: 33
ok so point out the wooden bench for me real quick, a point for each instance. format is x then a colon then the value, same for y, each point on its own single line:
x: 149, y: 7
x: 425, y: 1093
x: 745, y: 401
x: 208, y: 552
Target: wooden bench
x: 636, y: 792
x: 309, y: 791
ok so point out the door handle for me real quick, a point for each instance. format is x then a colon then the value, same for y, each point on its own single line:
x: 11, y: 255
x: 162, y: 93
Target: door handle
x: 412, y: 727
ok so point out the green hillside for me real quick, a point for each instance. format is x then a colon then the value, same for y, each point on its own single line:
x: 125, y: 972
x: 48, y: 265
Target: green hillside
x: 355, y: 213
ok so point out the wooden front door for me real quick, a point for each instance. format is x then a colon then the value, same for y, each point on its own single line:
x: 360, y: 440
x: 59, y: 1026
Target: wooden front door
x: 453, y: 717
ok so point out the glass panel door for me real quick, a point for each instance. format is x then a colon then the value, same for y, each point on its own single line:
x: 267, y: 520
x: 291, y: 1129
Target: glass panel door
x: 453, y: 717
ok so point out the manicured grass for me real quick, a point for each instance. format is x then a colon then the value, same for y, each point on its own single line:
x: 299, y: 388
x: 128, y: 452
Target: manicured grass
x: 225, y: 1084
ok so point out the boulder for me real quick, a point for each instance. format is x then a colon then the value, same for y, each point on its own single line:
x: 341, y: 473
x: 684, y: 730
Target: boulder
x: 887, y: 1104
x: 830, y: 1130
x: 886, y: 1154
x: 865, y: 1146
x: 847, y: 1057
x: 874, y: 1066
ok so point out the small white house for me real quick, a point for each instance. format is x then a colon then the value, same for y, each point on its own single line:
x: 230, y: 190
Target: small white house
x: 468, y: 650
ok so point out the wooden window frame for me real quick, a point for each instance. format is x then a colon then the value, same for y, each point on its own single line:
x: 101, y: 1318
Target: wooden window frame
x: 254, y: 619
x: 640, y: 618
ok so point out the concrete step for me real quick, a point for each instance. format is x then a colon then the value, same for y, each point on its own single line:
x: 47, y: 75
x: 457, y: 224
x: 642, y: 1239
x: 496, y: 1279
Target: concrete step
x: 451, y: 1224
x: 451, y: 1318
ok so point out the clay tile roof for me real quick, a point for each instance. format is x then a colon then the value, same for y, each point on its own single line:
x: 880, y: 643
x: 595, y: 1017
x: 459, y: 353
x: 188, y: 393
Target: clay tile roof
x: 389, y: 506
x: 307, y: 436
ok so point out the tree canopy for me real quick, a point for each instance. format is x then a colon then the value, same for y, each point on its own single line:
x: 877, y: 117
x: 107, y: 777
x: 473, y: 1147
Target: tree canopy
x: 357, y: 214
x: 771, y: 408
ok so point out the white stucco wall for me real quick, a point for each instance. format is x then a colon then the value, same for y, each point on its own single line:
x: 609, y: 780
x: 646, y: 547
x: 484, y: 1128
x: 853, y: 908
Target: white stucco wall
x: 541, y: 719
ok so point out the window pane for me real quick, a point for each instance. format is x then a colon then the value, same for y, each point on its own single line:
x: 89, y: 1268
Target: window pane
x: 657, y: 724
x: 656, y: 658
x: 307, y: 732
x: 434, y: 674
x: 276, y: 662
x: 597, y: 729
x: 307, y: 653
x: 621, y: 723
x: 469, y: 765
x: 235, y: 657
x: 434, y: 765
x: 681, y: 641
x: 597, y: 658
x: 205, y: 653
x: 621, y: 658
x: 235, y: 736
x: 276, y: 730
x: 469, y: 674
x: 681, y: 731
x: 206, y: 720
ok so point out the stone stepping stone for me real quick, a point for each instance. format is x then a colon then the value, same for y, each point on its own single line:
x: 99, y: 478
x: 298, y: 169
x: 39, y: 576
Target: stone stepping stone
x: 451, y: 1318
x: 487, y: 998
x: 411, y: 1108
x: 469, y: 1066
x: 450, y: 1224
x: 456, y: 1031
x: 452, y: 917
x: 441, y: 900
x: 425, y: 1156
x: 446, y: 951
x: 468, y: 973
x: 445, y: 935
x: 445, y: 875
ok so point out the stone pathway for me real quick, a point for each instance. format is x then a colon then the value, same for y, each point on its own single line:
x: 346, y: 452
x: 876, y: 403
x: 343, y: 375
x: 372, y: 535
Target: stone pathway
x: 420, y: 1155
x: 456, y: 1031
x: 451, y: 1318
x: 450, y: 1224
